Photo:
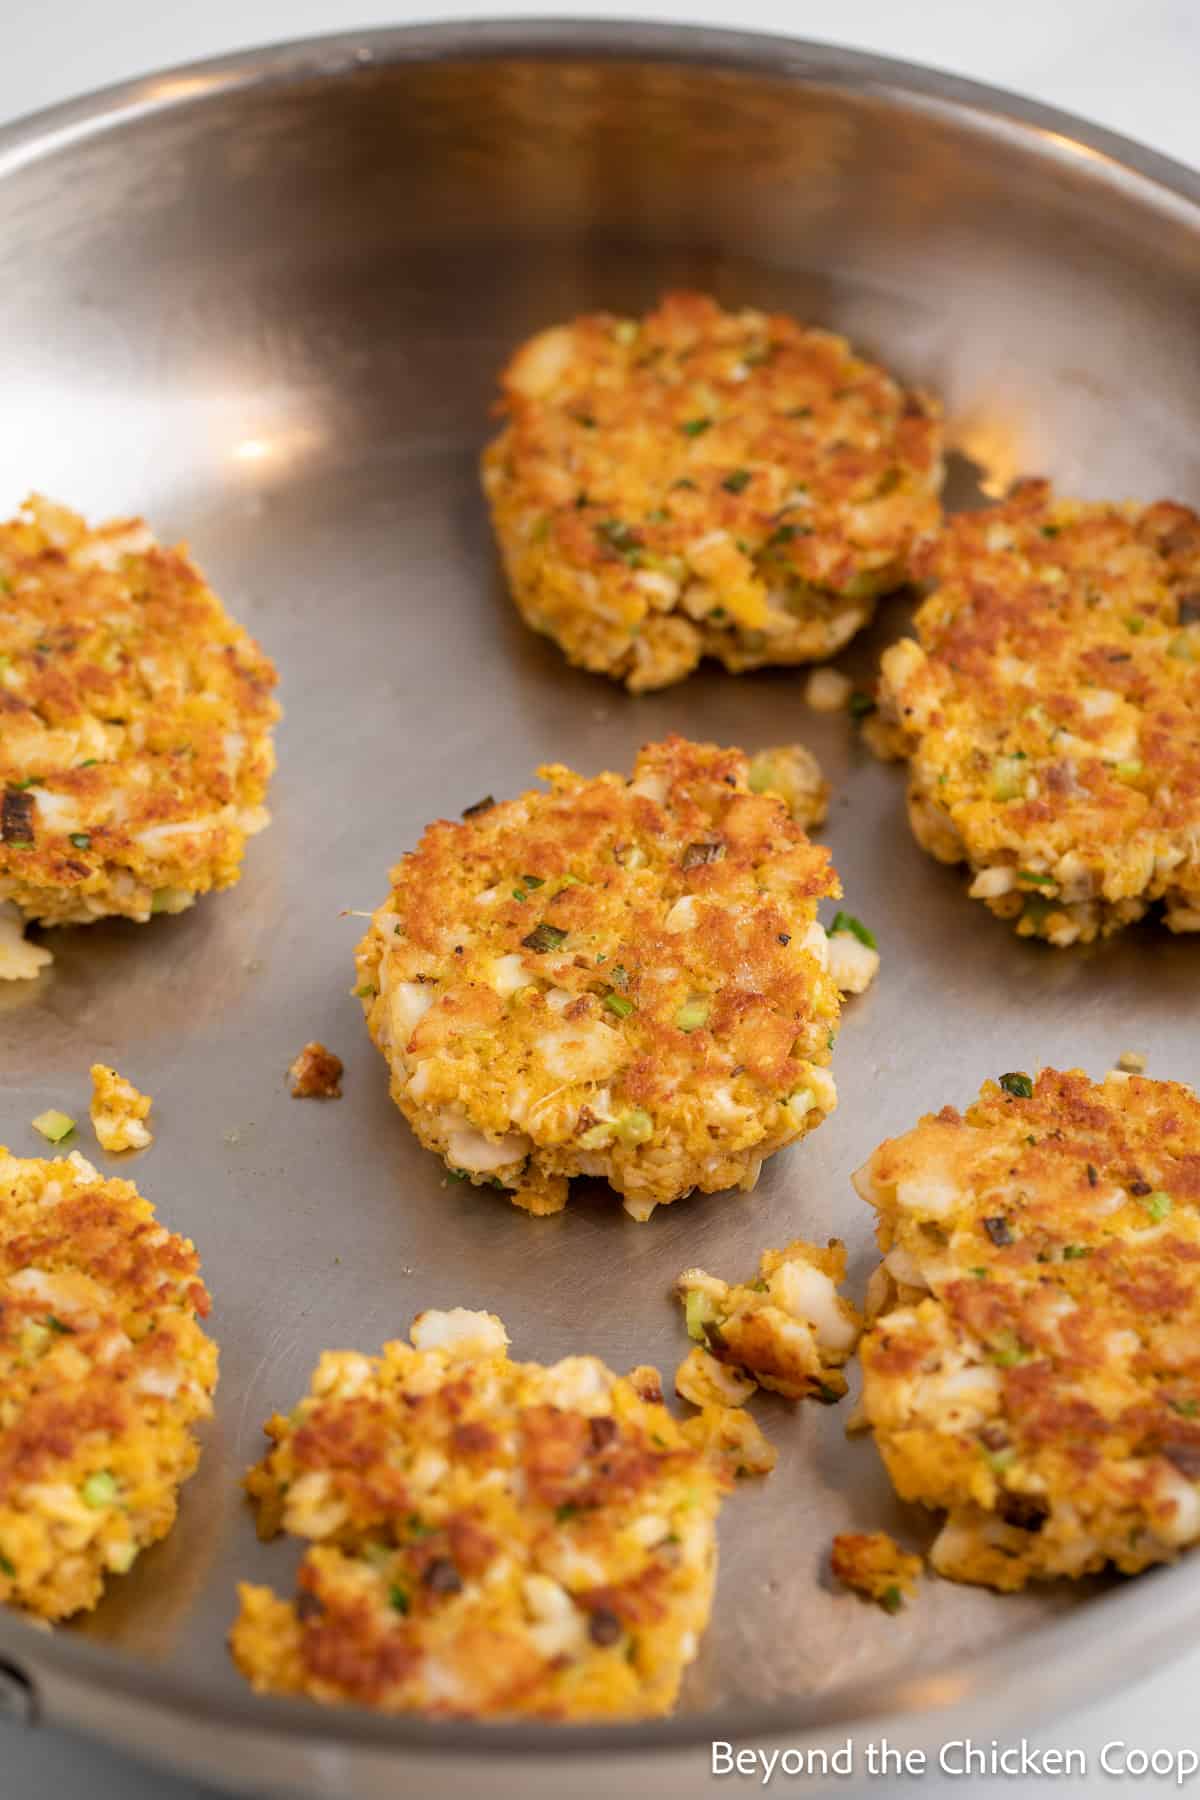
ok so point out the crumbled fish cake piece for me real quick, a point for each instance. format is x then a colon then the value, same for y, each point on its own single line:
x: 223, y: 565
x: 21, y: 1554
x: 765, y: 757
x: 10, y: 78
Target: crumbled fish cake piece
x: 104, y: 1373
x: 621, y: 978
x: 790, y: 1330
x: 873, y: 1564
x: 119, y: 1112
x: 701, y: 483
x: 136, y: 747
x: 486, y: 1538
x: 316, y: 1073
x: 792, y: 772
x: 1049, y: 709
x: 20, y: 958
x: 1032, y: 1367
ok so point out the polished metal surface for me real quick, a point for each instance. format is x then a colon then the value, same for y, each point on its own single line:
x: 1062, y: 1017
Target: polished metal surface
x: 263, y: 302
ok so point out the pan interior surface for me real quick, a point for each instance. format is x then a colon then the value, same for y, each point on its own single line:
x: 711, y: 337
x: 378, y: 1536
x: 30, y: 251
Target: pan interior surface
x: 267, y: 312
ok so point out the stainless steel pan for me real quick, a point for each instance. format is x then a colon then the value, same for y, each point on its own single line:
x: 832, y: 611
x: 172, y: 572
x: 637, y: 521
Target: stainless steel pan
x: 263, y: 301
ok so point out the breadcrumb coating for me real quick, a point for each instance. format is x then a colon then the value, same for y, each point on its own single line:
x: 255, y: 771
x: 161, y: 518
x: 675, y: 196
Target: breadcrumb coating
x: 135, y: 743
x: 104, y: 1372
x: 1049, y: 709
x: 1033, y: 1362
x: 705, y: 483
x: 486, y: 1538
x: 622, y: 978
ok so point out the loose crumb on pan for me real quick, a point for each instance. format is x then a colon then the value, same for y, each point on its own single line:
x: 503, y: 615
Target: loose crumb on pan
x: 827, y: 690
x: 1132, y: 1061
x: 484, y: 1538
x: 789, y: 1330
x: 20, y: 958
x: 119, y: 1112
x: 873, y: 1564
x: 316, y: 1073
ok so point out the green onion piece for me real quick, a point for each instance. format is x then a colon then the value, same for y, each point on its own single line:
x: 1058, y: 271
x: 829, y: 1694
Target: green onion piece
x: 159, y: 899
x: 617, y: 1003
x: 693, y: 1014
x: 519, y: 894
x: 398, y: 1599
x: 844, y: 921
x: 693, y: 427
x: 99, y: 1489
x: 1018, y: 1085
x: 54, y: 1125
x: 860, y: 705
x: 545, y: 937
x: 1008, y: 777
x: 1129, y: 771
x: 1073, y: 1252
x: 566, y: 1511
x: 532, y: 881
x: 1158, y: 1205
x: 7, y: 1568
x: 121, y: 1558
x: 737, y: 482
x: 998, y: 1460
x: 700, y: 1311
x: 1187, y: 1409
x: 891, y: 1599
x: 635, y: 1126
x: 457, y: 1174
x: 1031, y: 875
x: 365, y: 992
x: 1135, y: 625
x: 1007, y: 1349
x: 625, y: 331
x: 53, y: 1324
x: 81, y: 840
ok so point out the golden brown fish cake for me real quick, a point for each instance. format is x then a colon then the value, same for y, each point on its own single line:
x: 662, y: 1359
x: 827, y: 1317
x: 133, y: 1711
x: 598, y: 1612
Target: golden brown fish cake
x: 1050, y: 711
x: 703, y: 483
x: 104, y: 1371
x: 789, y: 1330
x: 622, y: 978
x: 488, y: 1538
x: 1033, y: 1363
x: 135, y: 723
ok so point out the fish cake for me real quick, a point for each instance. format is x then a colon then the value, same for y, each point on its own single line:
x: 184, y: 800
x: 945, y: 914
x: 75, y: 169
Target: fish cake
x: 104, y: 1372
x: 135, y: 748
x: 701, y: 483
x: 1032, y: 1367
x: 1049, y: 709
x: 485, y: 1538
x: 622, y: 978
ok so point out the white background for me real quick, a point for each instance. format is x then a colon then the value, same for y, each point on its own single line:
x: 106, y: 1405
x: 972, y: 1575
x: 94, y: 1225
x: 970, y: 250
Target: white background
x: 1133, y: 65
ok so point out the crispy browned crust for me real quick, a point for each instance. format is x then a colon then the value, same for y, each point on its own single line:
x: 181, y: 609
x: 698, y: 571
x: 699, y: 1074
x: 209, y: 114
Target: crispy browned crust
x: 1035, y: 1363
x: 704, y: 483
x: 316, y: 1074
x: 135, y: 721
x: 489, y: 1539
x: 525, y: 980
x: 1050, y: 710
x: 103, y: 1371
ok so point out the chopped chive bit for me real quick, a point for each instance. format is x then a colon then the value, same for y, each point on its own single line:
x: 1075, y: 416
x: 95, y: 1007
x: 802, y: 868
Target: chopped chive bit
x: 844, y: 921
x: 53, y: 1125
x: 617, y: 1003
x: 1074, y: 1252
x: 544, y: 937
x: 1157, y: 1204
x: 699, y: 1311
x: 81, y: 840
x: 1187, y: 1409
x: 7, y: 1568
x: 693, y: 427
x: 56, y: 1325
x: 737, y: 482
x: 398, y: 1599
x: 1032, y: 876
x: 693, y: 1013
x: 860, y: 704
x: 891, y: 1599
x: 532, y: 881
x: 99, y: 1489
x: 1018, y: 1085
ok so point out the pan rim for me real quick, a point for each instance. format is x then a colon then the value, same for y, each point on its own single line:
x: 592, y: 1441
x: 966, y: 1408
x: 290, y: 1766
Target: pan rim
x: 1074, y: 1652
